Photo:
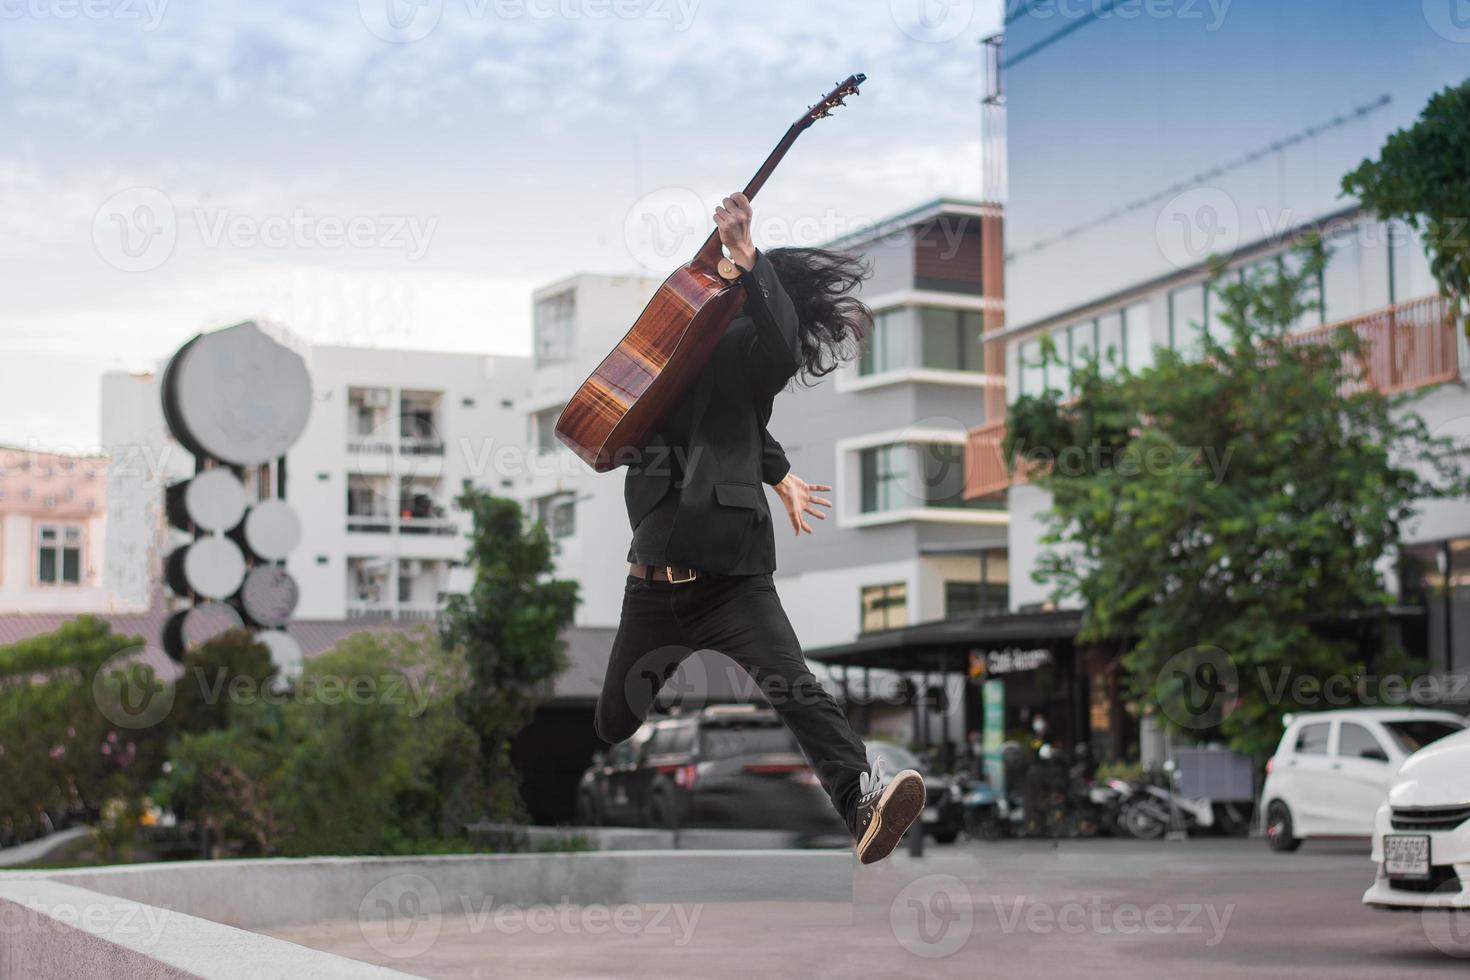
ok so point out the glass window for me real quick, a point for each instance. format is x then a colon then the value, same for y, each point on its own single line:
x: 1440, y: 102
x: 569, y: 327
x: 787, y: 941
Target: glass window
x: 1139, y: 337
x: 1355, y: 280
x: 884, y: 471
x: 544, y: 424
x: 732, y: 741
x: 1414, y: 735
x: 1110, y: 341
x: 559, y: 513
x: 1411, y: 276
x: 885, y: 606
x: 554, y: 318
x: 887, y: 345
x: 1186, y: 319
x: 944, y: 474
x: 1214, y: 306
x: 59, y: 555
x: 1030, y: 372
x: 1356, y: 742
x: 951, y: 339
x: 1312, y: 739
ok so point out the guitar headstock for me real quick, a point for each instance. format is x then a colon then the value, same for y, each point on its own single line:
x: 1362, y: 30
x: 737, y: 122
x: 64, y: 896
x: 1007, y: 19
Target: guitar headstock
x: 831, y: 100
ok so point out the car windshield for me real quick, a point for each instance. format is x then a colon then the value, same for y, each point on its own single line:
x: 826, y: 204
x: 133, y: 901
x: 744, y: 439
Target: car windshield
x: 894, y: 757
x: 729, y: 741
x: 1414, y: 735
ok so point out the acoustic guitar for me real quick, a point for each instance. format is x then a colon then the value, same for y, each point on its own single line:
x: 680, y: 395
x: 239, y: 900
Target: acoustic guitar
x: 622, y: 403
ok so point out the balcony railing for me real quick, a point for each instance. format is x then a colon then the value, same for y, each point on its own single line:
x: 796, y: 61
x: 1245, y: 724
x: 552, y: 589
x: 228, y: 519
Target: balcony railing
x: 1406, y: 346
x: 427, y: 525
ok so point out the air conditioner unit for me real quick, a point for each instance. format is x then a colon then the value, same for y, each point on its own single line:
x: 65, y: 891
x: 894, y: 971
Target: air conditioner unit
x: 375, y: 398
x: 411, y: 567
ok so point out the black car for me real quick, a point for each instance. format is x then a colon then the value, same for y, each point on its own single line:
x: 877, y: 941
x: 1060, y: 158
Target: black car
x: 728, y: 767
x: 944, y: 812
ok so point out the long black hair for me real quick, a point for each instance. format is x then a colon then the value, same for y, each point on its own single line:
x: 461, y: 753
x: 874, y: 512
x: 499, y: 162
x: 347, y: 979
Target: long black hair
x: 833, y: 322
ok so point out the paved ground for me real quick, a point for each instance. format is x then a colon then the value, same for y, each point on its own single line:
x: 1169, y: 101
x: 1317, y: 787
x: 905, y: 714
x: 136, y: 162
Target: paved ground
x: 1197, y: 909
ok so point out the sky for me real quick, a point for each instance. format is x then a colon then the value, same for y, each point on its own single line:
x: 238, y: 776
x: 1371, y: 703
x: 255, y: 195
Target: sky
x: 403, y: 173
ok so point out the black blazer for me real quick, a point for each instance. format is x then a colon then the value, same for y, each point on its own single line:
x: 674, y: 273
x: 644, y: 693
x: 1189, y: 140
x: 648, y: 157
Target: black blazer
x: 723, y: 524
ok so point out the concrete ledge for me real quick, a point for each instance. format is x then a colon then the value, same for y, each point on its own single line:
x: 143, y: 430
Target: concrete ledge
x: 272, y: 893
x: 55, y: 931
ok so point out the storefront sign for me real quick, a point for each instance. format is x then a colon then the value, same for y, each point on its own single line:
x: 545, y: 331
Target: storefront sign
x: 1012, y: 660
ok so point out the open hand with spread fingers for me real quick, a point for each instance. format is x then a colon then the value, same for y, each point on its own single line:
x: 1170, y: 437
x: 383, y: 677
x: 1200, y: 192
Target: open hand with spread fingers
x: 800, y: 501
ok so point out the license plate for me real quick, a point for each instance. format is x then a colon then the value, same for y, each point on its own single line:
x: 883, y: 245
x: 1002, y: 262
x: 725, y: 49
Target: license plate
x: 931, y: 814
x: 1406, y: 856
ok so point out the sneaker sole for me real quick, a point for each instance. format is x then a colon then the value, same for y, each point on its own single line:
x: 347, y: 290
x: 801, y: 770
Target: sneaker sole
x: 899, y: 806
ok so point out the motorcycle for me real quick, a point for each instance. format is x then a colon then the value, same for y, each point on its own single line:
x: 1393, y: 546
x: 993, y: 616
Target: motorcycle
x: 983, y: 815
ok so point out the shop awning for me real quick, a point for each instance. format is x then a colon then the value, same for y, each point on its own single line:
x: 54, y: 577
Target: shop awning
x: 945, y: 644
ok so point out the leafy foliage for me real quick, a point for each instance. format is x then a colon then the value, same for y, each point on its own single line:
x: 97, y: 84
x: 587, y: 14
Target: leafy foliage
x: 364, y: 754
x: 508, y: 630
x: 59, y: 752
x: 1422, y: 176
x: 1214, y: 508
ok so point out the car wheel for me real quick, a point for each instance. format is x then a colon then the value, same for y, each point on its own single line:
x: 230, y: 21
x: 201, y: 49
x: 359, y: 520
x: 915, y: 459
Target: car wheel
x: 1279, y: 828
x: 587, y: 812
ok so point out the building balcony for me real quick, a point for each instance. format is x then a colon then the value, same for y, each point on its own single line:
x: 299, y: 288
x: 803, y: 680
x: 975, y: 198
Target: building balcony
x: 1406, y: 346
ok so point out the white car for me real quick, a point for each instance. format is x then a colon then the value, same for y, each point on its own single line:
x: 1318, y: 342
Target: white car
x: 1332, y: 769
x: 1421, y: 834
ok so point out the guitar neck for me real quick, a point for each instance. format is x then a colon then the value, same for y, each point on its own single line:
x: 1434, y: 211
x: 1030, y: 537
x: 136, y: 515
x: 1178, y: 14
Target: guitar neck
x: 709, y: 252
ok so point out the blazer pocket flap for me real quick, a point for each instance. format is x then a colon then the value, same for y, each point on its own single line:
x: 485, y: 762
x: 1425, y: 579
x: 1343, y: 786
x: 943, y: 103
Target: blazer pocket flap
x: 737, y: 495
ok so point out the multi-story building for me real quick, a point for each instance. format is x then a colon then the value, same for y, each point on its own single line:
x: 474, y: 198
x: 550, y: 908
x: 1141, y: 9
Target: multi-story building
x: 575, y: 322
x: 53, y: 524
x: 393, y: 438
x: 1110, y: 122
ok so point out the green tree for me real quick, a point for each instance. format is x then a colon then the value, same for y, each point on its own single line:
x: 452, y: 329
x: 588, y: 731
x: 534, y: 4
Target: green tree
x: 508, y: 629
x: 222, y: 672
x: 1209, y: 510
x: 1422, y: 176
x: 74, y: 722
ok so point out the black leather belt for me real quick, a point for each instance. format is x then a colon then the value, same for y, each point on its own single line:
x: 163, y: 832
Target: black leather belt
x: 674, y: 574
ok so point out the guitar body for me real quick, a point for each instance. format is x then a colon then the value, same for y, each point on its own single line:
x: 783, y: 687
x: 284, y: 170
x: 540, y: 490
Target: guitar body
x: 621, y: 404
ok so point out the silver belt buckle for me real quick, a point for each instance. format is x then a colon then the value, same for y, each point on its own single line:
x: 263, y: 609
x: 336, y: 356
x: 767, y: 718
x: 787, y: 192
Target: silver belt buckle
x: 669, y: 573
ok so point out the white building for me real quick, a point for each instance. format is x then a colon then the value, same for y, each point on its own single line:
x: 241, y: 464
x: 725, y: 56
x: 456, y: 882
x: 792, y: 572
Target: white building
x: 392, y: 439
x: 1109, y: 250
x: 576, y: 322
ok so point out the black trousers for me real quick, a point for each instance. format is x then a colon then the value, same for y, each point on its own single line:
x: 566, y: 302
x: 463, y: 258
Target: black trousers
x: 741, y: 617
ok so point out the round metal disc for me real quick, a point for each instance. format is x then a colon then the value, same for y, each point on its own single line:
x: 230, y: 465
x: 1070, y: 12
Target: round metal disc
x: 269, y: 595
x: 206, y: 621
x: 215, y: 500
x: 213, y: 567
x: 286, y: 653
x: 237, y: 395
x: 272, y: 529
